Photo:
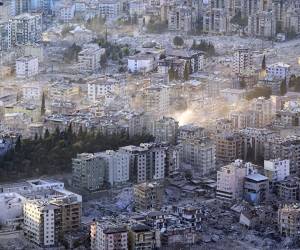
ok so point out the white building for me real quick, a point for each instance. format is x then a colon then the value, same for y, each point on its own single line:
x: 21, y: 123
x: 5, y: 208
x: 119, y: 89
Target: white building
x: 88, y: 172
x: 242, y: 61
x: 104, y: 88
x: 106, y: 235
x: 32, y: 92
x: 278, y: 70
x: 233, y: 95
x: 157, y: 100
x: 27, y: 66
x: 276, y: 169
x: 11, y: 206
x: 110, y: 9
x: 66, y: 13
x: 39, y: 223
x: 26, y: 29
x: 199, y: 155
x: 118, y: 164
x: 31, y: 185
x: 230, y: 180
x: 142, y: 63
x: 89, y: 58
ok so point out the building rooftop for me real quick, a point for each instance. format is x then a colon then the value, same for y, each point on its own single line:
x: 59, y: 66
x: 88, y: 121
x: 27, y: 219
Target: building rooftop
x: 256, y: 177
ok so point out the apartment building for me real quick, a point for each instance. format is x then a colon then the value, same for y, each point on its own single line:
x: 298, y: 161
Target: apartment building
x: 156, y: 101
x: 27, y: 66
x: 230, y: 181
x: 118, y: 166
x: 276, y: 169
x: 5, y: 36
x: 20, y: 6
x: 142, y: 63
x: 284, y: 148
x: 264, y: 109
x: 147, y: 162
x: 256, y: 188
x: 89, y: 58
x: 109, y: 9
x: 289, y: 189
x: 29, y: 201
x: 108, y: 235
x: 88, y: 172
x: 289, y: 220
x: 279, y: 70
x: 42, y: 223
x: 165, y: 130
x: 262, y: 24
x: 228, y: 147
x: 216, y: 21
x: 254, y: 142
x: 242, y: 61
x: 141, y: 236
x: 103, y: 88
x: 26, y: 29
x: 66, y: 12
x: 190, y: 131
x: 199, y: 155
x: 180, y: 19
x: 32, y: 92
x: 148, y: 196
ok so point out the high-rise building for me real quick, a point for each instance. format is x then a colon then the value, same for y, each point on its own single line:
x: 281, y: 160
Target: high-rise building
x: 157, y: 100
x: 118, y: 165
x: 228, y: 147
x: 5, y: 36
x: 230, y: 181
x: 42, y: 223
x: 284, y: 148
x: 200, y: 155
x: 107, y: 235
x: 180, y: 19
x: 26, y: 29
x: 165, y: 130
x: 276, y: 169
x: 148, y: 196
x: 289, y: 220
x: 27, y: 66
x: 141, y: 236
x: 49, y: 214
x: 88, y: 172
x: 242, y: 61
x: 89, y: 58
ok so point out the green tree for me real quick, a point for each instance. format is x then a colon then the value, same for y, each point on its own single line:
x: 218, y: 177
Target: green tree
x: 18, y: 144
x: 283, y: 88
x: 243, y: 83
x: 186, y: 74
x: 43, y: 105
x: 47, y: 134
x: 263, y: 63
x: 178, y: 41
x: 103, y: 60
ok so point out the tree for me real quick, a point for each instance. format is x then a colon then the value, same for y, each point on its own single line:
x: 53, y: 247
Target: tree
x: 258, y: 92
x: 283, y: 88
x: 43, y: 105
x: 171, y: 73
x: 243, y: 83
x: 103, y: 60
x: 263, y: 63
x: 186, y: 71
x: 178, y: 41
x: 47, y: 134
x: 18, y: 145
